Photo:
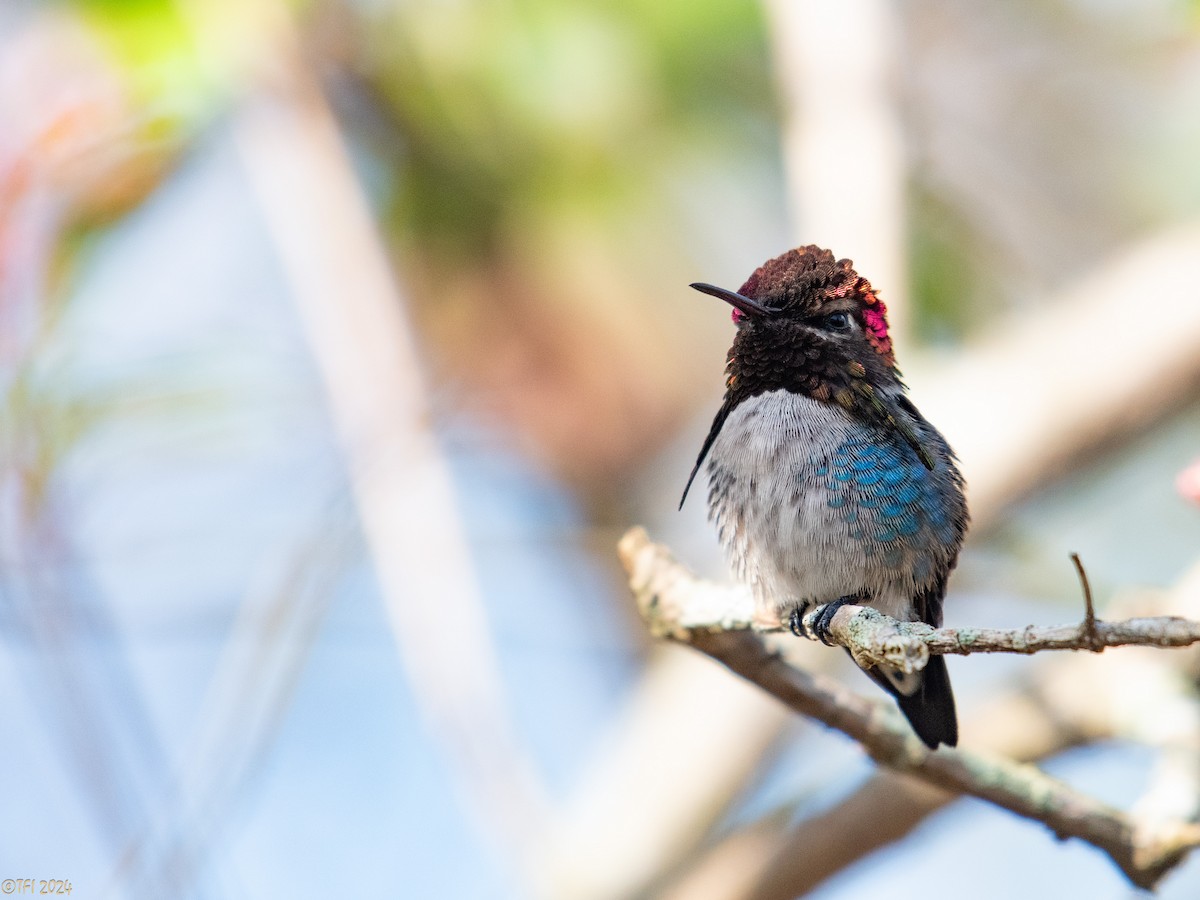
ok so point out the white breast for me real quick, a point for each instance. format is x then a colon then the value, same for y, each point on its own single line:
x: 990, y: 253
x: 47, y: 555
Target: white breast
x: 769, y: 497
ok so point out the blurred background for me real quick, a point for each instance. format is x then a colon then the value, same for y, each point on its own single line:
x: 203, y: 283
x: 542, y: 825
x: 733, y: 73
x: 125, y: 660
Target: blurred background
x: 341, y: 340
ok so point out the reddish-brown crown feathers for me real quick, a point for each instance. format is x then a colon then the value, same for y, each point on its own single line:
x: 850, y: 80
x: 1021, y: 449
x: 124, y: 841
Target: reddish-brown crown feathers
x: 808, y: 277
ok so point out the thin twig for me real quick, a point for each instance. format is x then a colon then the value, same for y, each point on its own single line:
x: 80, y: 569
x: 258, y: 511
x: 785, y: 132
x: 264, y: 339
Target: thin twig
x: 1095, y: 643
x: 1143, y: 854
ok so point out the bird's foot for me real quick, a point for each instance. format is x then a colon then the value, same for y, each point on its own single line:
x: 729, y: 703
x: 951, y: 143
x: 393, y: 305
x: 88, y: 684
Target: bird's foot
x: 796, y: 619
x: 824, y: 620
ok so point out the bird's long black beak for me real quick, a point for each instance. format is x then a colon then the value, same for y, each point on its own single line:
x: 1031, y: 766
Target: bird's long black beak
x: 745, y: 304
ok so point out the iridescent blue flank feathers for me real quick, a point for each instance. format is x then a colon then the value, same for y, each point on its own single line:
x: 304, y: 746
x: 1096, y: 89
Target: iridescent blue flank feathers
x: 826, y: 484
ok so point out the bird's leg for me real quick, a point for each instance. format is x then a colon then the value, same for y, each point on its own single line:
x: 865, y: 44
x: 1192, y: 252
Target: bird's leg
x: 824, y: 619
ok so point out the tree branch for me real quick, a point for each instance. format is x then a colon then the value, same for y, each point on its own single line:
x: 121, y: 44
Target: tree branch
x: 1064, y: 700
x: 677, y: 605
x: 872, y: 637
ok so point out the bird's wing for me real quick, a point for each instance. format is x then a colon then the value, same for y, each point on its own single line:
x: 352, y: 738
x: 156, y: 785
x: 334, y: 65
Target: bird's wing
x: 718, y: 421
x: 886, y: 411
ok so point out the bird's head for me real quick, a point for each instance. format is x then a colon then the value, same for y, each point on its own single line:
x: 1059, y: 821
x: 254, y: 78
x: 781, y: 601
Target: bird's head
x: 806, y: 322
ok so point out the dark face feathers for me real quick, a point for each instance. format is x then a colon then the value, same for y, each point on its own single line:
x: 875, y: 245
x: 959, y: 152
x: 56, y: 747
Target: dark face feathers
x: 810, y: 324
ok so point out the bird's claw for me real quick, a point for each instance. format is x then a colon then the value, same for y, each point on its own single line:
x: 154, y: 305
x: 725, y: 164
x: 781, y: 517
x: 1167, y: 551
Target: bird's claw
x: 823, y: 623
x: 796, y: 620
x: 823, y: 620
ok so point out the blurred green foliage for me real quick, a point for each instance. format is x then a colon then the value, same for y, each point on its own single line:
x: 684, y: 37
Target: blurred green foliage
x: 509, y: 109
x: 945, y: 287
x: 152, y: 45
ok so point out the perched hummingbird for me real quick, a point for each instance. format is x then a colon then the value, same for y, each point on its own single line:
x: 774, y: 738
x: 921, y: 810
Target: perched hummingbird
x: 826, y: 485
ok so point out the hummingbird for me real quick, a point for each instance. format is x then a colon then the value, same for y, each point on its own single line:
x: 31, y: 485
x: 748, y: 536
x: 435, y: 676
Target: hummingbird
x: 826, y: 484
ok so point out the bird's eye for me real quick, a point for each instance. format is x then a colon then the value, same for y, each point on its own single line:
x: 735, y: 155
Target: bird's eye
x: 838, y: 321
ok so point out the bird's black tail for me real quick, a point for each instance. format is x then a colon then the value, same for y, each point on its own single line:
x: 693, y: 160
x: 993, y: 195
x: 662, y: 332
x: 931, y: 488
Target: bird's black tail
x: 928, y: 705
